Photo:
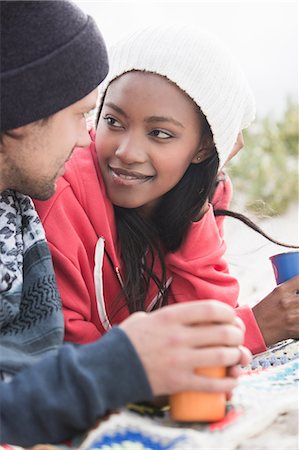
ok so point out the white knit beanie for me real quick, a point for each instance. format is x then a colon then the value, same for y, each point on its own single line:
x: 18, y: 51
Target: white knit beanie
x: 199, y: 65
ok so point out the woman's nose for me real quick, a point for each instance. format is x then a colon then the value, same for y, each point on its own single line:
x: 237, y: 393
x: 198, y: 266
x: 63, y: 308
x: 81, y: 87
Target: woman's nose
x: 131, y: 151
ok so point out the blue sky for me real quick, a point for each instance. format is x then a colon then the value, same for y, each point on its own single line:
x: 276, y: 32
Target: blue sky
x: 263, y: 34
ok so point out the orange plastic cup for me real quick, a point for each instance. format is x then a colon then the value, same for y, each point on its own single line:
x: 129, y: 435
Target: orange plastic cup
x: 193, y: 406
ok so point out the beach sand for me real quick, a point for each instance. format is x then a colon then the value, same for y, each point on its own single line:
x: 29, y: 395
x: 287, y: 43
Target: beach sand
x: 248, y: 255
x: 248, y: 252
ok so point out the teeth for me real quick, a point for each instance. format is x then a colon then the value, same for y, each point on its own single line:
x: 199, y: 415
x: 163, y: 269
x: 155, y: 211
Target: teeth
x: 129, y: 177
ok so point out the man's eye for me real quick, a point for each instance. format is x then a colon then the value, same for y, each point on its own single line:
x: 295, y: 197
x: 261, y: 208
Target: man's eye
x: 161, y: 134
x: 89, y: 113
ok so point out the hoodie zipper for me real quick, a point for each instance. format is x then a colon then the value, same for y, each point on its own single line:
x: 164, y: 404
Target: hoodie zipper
x: 115, y: 269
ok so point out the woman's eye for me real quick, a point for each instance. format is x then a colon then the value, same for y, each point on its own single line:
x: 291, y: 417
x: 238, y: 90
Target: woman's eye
x: 161, y: 134
x: 112, y: 122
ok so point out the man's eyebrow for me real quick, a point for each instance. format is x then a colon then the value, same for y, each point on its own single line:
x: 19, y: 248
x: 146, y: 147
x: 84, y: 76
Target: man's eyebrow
x: 116, y: 108
x: 85, y: 108
x: 89, y: 107
x: 163, y: 119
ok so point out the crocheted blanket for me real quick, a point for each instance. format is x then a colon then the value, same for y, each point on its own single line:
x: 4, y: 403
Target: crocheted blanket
x: 266, y: 389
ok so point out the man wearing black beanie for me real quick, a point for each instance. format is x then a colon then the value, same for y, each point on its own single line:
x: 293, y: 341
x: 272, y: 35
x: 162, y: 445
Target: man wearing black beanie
x: 53, y: 58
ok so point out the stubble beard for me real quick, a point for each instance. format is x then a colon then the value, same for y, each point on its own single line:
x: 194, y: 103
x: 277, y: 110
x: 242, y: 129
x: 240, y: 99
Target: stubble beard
x: 41, y: 189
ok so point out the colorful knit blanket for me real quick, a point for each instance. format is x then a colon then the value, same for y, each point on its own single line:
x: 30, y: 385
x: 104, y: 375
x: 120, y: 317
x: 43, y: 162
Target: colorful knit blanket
x: 267, y: 389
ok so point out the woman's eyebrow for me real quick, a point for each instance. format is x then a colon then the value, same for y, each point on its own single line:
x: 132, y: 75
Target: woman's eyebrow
x: 116, y: 108
x: 148, y: 119
x: 163, y: 119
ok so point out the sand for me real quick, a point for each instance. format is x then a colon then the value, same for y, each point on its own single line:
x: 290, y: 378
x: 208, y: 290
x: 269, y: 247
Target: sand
x: 248, y: 256
x: 248, y: 252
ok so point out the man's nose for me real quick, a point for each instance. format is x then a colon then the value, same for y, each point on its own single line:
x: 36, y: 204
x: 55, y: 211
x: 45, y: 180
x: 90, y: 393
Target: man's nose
x: 83, y: 136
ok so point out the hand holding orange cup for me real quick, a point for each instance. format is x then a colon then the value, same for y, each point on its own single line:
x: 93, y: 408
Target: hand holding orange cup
x: 192, y: 406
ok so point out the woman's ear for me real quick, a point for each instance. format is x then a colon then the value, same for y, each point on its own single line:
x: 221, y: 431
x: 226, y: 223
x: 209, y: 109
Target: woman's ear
x: 206, y: 146
x: 202, y: 154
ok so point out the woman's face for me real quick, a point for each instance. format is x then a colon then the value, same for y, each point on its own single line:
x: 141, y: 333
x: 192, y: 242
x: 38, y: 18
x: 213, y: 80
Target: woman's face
x: 148, y: 134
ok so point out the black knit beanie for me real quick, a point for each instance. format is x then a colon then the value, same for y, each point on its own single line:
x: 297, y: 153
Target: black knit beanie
x: 52, y: 55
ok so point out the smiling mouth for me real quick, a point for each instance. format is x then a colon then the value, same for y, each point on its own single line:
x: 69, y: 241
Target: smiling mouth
x: 127, y: 177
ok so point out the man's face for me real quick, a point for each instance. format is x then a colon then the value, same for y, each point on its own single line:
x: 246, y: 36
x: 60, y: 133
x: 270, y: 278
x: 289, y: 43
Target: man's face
x: 32, y: 157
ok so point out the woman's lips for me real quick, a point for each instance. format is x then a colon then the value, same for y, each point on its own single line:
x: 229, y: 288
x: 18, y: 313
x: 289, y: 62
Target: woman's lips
x: 128, y: 178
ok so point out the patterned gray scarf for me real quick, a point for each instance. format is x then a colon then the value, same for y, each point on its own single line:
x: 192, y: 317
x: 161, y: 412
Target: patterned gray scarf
x: 31, y: 319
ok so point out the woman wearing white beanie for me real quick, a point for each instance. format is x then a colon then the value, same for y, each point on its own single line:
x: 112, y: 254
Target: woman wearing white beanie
x: 172, y: 110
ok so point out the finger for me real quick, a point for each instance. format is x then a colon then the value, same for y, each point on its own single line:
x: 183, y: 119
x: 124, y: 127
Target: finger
x: 245, y: 359
x: 229, y: 395
x: 240, y: 323
x: 213, y: 357
x: 234, y: 371
x: 245, y: 355
x: 291, y: 285
x: 211, y: 335
x: 209, y: 384
x: 197, y: 312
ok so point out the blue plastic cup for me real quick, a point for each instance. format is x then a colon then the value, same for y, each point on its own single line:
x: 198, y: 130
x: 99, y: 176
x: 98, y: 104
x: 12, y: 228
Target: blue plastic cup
x: 285, y: 266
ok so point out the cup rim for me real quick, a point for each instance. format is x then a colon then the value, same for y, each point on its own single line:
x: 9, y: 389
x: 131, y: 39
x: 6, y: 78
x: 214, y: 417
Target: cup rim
x: 283, y: 253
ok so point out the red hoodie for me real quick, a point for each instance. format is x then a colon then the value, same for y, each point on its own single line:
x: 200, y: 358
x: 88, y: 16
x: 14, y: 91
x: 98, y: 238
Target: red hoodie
x: 81, y: 231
